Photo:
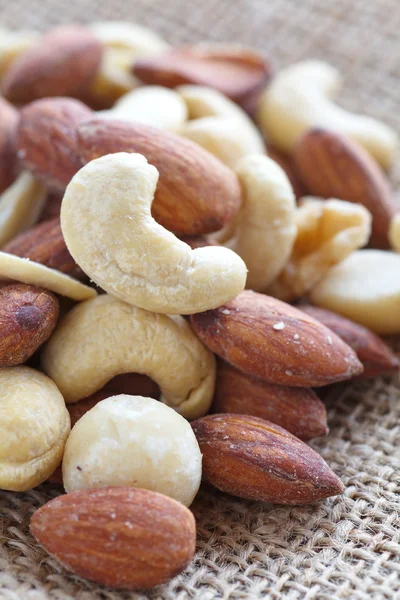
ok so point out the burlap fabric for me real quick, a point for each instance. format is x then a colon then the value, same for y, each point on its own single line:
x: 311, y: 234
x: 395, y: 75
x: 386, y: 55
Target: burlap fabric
x: 346, y: 547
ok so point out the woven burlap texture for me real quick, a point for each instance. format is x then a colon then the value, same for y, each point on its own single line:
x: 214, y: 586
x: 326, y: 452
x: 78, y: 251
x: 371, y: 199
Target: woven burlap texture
x: 347, y: 547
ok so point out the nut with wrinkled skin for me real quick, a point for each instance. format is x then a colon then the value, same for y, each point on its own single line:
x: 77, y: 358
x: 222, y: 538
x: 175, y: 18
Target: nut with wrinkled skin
x: 255, y: 459
x: 109, y: 230
x: 9, y: 117
x: 61, y: 63
x: 298, y: 410
x: 164, y: 345
x: 300, y: 98
x: 133, y: 441
x: 265, y: 229
x: 219, y: 125
x: 28, y: 316
x: 327, y: 232
x: 34, y: 425
x: 108, y: 535
x: 276, y: 342
x: 364, y: 288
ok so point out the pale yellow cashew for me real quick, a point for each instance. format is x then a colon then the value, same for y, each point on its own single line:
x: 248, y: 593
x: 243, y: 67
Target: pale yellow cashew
x: 364, y: 288
x: 327, y: 232
x: 34, y: 426
x: 151, y: 105
x: 219, y: 125
x: 104, y: 337
x: 108, y: 228
x: 300, y: 98
x: 265, y: 229
x: 20, y: 206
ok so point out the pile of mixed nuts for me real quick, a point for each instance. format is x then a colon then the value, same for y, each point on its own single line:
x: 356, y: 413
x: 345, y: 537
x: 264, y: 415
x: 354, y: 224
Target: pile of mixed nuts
x: 140, y: 184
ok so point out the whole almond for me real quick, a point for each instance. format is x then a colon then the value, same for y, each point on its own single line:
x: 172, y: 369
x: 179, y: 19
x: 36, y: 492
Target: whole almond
x: 298, y: 410
x: 46, y: 139
x: 276, y: 342
x: 331, y: 165
x: 44, y: 244
x: 124, y: 538
x: 28, y: 316
x: 9, y: 117
x: 62, y: 63
x: 195, y: 194
x: 376, y: 356
x: 255, y: 459
x: 236, y: 71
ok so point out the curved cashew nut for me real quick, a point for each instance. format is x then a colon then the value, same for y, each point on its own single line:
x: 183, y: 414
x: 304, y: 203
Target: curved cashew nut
x: 265, y: 228
x: 108, y: 228
x: 104, y: 337
x: 327, y: 232
x: 300, y: 97
x: 151, y: 105
x: 219, y: 125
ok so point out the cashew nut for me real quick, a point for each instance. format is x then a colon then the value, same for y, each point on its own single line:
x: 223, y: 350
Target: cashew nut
x: 219, y: 125
x: 364, y: 288
x: 300, y: 97
x: 108, y: 228
x: 151, y: 105
x: 137, y: 442
x: 104, y: 337
x: 20, y: 206
x: 264, y: 231
x: 15, y: 268
x: 34, y: 425
x: 327, y: 232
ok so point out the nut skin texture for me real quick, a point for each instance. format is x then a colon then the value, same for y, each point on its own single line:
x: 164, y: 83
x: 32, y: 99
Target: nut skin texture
x: 298, y: 410
x: 47, y: 142
x: 120, y: 537
x: 28, y: 316
x: 45, y: 244
x: 62, y: 63
x: 9, y: 117
x: 332, y: 165
x: 237, y: 72
x: 196, y: 193
x: 255, y: 459
x: 242, y: 333
x: 376, y: 356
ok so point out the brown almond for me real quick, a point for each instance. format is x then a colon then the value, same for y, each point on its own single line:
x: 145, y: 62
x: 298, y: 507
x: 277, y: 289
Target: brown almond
x: 276, y: 342
x: 124, y: 538
x: 52, y: 208
x: 238, y: 72
x: 44, y: 244
x: 255, y: 459
x: 195, y: 194
x: 28, y: 316
x: 9, y: 118
x: 376, y: 356
x: 62, y: 63
x: 331, y: 165
x: 298, y: 410
x: 47, y: 142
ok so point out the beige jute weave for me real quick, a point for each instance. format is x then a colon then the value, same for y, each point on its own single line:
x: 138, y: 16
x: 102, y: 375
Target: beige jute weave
x: 346, y: 547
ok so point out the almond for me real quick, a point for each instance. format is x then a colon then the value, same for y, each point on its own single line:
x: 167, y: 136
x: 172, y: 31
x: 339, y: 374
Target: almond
x: 376, y: 356
x: 45, y: 244
x: 125, y: 538
x: 237, y: 72
x: 28, y: 316
x: 255, y: 459
x: 9, y: 117
x: 276, y: 342
x: 52, y: 208
x: 195, y: 194
x: 62, y: 63
x: 331, y: 165
x: 46, y: 139
x: 298, y: 410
